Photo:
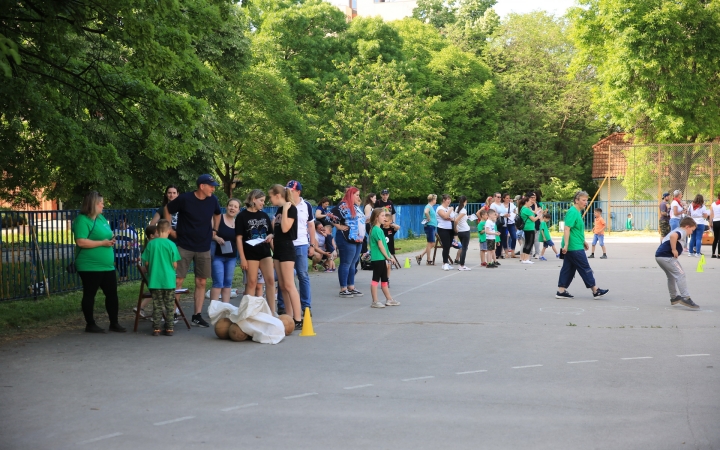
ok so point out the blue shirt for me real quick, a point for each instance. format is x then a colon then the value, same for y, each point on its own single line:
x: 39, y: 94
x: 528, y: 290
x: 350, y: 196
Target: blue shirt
x: 665, y: 251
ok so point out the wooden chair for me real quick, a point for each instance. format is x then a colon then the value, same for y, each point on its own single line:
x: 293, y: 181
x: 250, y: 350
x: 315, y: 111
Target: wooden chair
x: 395, y: 264
x: 438, y: 245
x: 143, y: 295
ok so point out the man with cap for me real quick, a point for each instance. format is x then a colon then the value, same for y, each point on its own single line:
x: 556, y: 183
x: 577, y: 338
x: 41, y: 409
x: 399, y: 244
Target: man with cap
x: 305, y: 238
x: 664, y: 219
x: 196, y: 228
x: 384, y: 202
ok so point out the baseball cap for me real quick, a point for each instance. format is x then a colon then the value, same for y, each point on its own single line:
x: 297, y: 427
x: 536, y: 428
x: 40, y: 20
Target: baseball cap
x: 206, y: 178
x: 294, y: 185
x: 384, y: 191
x: 665, y: 194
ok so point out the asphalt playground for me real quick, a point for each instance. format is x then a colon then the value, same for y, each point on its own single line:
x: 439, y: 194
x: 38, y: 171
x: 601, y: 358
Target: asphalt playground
x: 481, y: 359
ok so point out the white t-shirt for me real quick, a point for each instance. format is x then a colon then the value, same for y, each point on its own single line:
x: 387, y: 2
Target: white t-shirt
x: 462, y: 225
x: 672, y: 209
x: 697, y: 214
x: 302, y: 231
x: 490, y: 230
x: 716, y: 211
x: 320, y: 238
x: 442, y: 223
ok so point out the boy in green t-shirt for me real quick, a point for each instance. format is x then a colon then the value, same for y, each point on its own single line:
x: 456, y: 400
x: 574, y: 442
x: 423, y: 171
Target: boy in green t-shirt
x: 546, y: 239
x: 482, y: 218
x: 160, y: 258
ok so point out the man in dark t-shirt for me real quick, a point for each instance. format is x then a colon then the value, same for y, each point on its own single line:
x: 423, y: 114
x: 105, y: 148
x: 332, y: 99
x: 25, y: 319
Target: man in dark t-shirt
x: 197, y: 224
x: 384, y: 202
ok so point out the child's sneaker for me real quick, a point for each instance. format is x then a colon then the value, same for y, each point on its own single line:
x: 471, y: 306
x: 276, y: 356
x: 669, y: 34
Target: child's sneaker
x: 600, y: 293
x: 688, y: 303
x: 592, y: 255
x: 542, y: 258
x: 346, y: 294
x: 565, y: 294
x: 603, y: 257
x: 675, y: 300
x: 484, y: 264
x: 391, y: 302
x: 377, y: 305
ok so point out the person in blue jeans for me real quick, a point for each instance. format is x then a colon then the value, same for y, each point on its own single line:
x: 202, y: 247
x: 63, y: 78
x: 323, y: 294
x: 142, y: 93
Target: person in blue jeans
x: 699, y: 213
x: 349, y: 220
x: 305, y: 238
x: 223, y: 250
x: 430, y: 224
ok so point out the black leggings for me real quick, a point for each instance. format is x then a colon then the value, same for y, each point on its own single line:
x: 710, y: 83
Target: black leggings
x: 446, y: 236
x: 464, y: 237
x: 379, y: 271
x: 107, y: 281
x: 529, y: 242
x: 503, y: 241
x: 716, y: 235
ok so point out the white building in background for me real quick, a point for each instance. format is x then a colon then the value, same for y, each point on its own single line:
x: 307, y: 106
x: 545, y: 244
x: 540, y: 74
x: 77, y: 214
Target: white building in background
x: 387, y: 10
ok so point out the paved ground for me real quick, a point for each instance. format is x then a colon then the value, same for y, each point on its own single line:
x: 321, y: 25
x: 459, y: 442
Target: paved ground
x: 480, y: 359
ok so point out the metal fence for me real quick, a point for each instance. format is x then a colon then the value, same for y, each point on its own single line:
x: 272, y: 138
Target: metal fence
x: 37, y: 246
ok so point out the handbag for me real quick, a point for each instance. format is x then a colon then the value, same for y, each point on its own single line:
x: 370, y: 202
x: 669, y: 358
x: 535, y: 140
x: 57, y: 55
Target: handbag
x: 71, y: 268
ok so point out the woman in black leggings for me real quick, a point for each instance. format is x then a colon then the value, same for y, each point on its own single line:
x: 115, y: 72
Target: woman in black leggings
x: 463, y: 230
x: 715, y: 220
x: 529, y: 217
x: 445, y: 219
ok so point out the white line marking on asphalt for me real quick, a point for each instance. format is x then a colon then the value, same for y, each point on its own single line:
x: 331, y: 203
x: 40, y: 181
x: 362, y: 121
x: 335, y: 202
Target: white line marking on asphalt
x: 525, y: 367
x: 308, y: 394
x: 699, y: 354
x: 358, y: 387
x: 637, y: 357
x: 471, y: 371
x: 232, y: 408
x: 107, y: 436
x: 173, y: 421
x: 580, y: 362
x: 418, y: 378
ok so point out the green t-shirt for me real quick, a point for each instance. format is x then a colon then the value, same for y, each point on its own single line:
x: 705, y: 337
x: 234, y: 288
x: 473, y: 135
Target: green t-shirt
x: 574, y: 221
x: 481, y: 231
x: 544, y: 232
x: 97, y: 259
x: 526, y: 213
x: 160, y: 254
x: 433, y: 215
x: 377, y: 235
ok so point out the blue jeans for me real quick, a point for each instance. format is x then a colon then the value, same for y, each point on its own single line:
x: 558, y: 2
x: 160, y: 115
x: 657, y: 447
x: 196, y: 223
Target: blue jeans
x: 349, y: 253
x: 696, y: 240
x: 222, y: 269
x: 674, y: 223
x: 301, y: 271
x: 509, y: 237
x: 576, y: 261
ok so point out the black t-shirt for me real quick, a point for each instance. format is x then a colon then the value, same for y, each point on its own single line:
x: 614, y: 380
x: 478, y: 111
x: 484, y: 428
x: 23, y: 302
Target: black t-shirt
x: 390, y: 238
x: 291, y: 235
x: 253, y: 225
x: 387, y: 205
x: 194, y: 225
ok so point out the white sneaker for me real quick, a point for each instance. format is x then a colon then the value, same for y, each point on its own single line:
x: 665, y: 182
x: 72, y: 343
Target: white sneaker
x: 527, y: 262
x: 450, y: 267
x: 464, y: 268
x: 446, y: 267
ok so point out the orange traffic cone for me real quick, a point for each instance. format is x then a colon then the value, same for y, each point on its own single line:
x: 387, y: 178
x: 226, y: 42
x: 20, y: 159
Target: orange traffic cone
x: 307, y: 329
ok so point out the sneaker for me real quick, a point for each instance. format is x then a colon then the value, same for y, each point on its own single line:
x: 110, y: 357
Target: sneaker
x: 142, y: 312
x: 491, y: 266
x: 535, y: 256
x: 355, y: 292
x: 280, y: 311
x: 377, y: 305
x: 156, y: 332
x: 175, y: 318
x: 457, y: 261
x: 450, y: 267
x: 603, y: 257
x: 198, y: 321
x: 675, y: 300
x: 484, y: 264
x: 688, y: 303
x: 446, y: 267
x: 497, y: 263
x: 600, y: 293
x: 168, y: 332
x: 565, y: 294
x: 542, y: 258
x: 691, y: 255
x: 116, y: 327
x: 713, y: 255
x: 557, y: 256
x: 464, y: 268
x: 93, y: 328
x: 298, y: 325
x: 391, y: 303
x: 527, y: 262
x: 343, y: 294
x: 592, y: 255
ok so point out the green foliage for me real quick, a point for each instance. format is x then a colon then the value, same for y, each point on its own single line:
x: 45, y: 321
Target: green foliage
x: 557, y: 190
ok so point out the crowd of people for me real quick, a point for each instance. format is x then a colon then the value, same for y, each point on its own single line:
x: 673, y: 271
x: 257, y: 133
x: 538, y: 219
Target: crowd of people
x: 189, y: 228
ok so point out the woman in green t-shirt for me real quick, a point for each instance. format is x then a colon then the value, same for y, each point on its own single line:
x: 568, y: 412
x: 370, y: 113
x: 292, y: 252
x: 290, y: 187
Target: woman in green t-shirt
x: 529, y: 218
x: 95, y: 261
x: 572, y: 250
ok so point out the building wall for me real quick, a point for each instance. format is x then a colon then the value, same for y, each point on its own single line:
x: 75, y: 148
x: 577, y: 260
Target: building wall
x: 618, y: 192
x: 389, y: 11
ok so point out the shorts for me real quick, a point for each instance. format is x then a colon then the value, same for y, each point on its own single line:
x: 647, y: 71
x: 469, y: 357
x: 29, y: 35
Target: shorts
x: 203, y: 263
x: 430, y: 233
x: 284, y: 251
x: 599, y: 238
x: 549, y: 243
x: 483, y: 246
x: 664, y: 228
x: 490, y: 245
x: 260, y: 278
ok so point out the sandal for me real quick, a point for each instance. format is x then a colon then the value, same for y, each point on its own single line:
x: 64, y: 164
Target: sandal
x: 431, y: 263
x: 418, y: 259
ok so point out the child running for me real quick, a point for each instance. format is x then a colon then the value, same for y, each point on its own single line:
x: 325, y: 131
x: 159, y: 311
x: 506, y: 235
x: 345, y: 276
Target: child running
x: 546, y: 239
x: 598, y: 234
x: 492, y: 237
x: 667, y: 257
x: 160, y: 258
x: 482, y: 218
x: 379, y: 256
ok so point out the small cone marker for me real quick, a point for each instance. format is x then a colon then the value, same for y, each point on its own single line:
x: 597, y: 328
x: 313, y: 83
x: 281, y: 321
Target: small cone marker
x: 700, y: 265
x: 407, y: 263
x: 307, y: 328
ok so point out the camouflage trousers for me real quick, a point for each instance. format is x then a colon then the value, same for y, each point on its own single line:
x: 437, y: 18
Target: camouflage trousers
x: 664, y: 228
x: 163, y: 298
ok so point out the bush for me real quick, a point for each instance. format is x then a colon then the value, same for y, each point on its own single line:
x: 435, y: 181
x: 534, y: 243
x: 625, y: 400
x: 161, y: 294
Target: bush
x: 13, y: 219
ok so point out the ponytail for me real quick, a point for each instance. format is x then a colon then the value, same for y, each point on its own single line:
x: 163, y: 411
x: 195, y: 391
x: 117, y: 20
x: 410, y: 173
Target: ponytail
x: 276, y: 189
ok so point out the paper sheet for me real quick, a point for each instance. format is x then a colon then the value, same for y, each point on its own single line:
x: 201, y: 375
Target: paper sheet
x: 254, y: 242
x: 226, y: 247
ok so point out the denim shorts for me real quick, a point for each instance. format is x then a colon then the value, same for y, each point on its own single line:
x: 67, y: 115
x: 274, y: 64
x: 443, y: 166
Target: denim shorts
x: 483, y: 246
x: 599, y: 238
x: 549, y: 243
x: 430, y: 233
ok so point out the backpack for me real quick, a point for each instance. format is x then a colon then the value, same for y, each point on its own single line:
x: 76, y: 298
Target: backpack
x: 519, y: 222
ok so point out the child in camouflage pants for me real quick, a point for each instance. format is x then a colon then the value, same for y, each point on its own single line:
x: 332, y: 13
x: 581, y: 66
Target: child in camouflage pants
x: 161, y: 257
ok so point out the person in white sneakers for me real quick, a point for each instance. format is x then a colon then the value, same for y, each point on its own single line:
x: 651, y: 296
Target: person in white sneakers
x: 445, y: 217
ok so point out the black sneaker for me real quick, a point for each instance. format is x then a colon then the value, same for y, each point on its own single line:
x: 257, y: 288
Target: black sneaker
x: 281, y: 311
x: 603, y: 257
x: 175, y: 318
x: 714, y: 255
x: 298, y: 325
x: 674, y: 301
x: 355, y: 292
x: 346, y: 294
x: 491, y: 266
x: 198, y: 321
x: 93, y: 328
x: 116, y: 327
x: 600, y: 293
x: 565, y: 294
x: 688, y: 303
x: 592, y: 255
x: 497, y: 263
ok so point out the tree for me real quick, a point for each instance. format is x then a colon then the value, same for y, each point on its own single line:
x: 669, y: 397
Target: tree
x: 379, y: 132
x: 437, y: 13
